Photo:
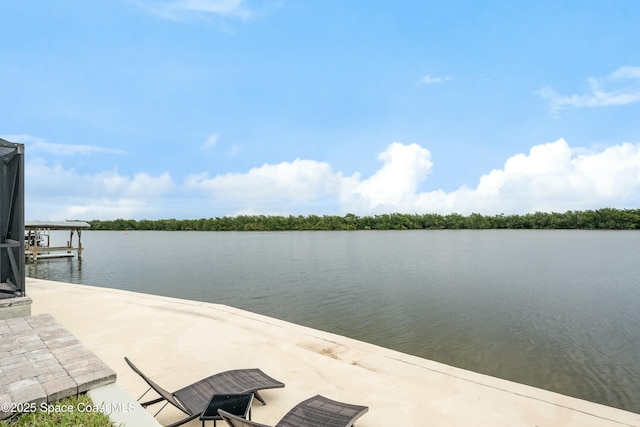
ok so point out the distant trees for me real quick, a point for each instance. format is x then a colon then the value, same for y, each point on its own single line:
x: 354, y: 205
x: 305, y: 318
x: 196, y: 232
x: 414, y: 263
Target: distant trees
x: 601, y: 219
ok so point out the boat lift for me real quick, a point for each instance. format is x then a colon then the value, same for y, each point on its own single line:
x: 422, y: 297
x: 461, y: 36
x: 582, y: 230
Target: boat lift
x: 37, y: 239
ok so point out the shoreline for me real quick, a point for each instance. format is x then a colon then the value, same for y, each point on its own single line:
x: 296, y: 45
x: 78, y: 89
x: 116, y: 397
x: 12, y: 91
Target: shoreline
x: 177, y: 341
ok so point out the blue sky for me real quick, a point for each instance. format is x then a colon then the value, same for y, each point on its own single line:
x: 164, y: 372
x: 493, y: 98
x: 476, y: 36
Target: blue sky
x: 203, y: 108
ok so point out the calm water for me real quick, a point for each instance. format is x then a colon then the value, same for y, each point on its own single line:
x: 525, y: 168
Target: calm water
x: 558, y: 310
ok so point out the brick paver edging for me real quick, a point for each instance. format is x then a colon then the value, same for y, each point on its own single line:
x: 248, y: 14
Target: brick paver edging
x: 41, y: 361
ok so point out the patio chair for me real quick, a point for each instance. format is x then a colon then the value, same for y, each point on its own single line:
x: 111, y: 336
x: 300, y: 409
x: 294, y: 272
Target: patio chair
x: 317, y: 411
x: 193, y: 398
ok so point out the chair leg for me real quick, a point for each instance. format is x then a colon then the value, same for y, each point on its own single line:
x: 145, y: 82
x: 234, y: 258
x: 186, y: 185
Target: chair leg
x: 184, y: 420
x: 151, y: 402
x: 257, y: 396
x: 143, y: 394
x: 161, y: 409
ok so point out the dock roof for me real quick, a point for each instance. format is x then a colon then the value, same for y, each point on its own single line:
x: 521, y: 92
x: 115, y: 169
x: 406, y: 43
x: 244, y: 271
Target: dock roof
x: 57, y: 225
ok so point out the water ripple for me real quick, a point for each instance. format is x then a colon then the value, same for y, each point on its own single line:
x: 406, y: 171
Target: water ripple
x: 551, y: 309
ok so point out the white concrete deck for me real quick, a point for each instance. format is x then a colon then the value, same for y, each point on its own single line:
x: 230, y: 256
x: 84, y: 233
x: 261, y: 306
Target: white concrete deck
x: 177, y: 342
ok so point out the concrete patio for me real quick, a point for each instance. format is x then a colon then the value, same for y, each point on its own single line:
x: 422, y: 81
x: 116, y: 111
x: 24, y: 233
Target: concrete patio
x: 177, y: 342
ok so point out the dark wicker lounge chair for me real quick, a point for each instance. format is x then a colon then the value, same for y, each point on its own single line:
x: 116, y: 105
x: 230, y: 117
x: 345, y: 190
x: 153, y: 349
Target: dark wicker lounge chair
x: 317, y: 411
x: 193, y: 398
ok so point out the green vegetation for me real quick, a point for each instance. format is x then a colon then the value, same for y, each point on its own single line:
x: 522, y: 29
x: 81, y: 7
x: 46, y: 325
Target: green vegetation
x: 601, y: 219
x: 75, y: 411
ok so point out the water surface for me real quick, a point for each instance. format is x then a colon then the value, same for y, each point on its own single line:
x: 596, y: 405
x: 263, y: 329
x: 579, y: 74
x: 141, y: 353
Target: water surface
x: 554, y: 309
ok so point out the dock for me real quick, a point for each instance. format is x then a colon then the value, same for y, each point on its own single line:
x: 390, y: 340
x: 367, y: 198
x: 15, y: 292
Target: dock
x: 38, y: 244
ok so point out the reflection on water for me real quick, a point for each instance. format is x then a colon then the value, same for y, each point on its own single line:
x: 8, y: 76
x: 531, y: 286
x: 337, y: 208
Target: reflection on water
x: 68, y: 268
x: 558, y: 310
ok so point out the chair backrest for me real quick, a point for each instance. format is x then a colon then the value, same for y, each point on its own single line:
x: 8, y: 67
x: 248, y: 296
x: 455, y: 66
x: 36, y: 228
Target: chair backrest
x: 320, y: 411
x: 161, y: 391
x: 236, y: 421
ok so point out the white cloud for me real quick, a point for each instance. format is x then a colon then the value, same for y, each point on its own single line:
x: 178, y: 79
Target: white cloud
x: 104, y: 209
x: 178, y: 8
x: 37, y: 145
x: 394, y: 185
x: 297, y: 181
x: 54, y: 193
x: 141, y: 186
x: 626, y: 73
x: 211, y: 141
x: 430, y: 80
x: 219, y: 7
x: 621, y: 87
x: 307, y: 181
x: 551, y: 177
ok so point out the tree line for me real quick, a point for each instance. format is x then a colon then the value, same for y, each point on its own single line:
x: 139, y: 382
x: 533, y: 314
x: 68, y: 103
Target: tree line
x: 600, y: 219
